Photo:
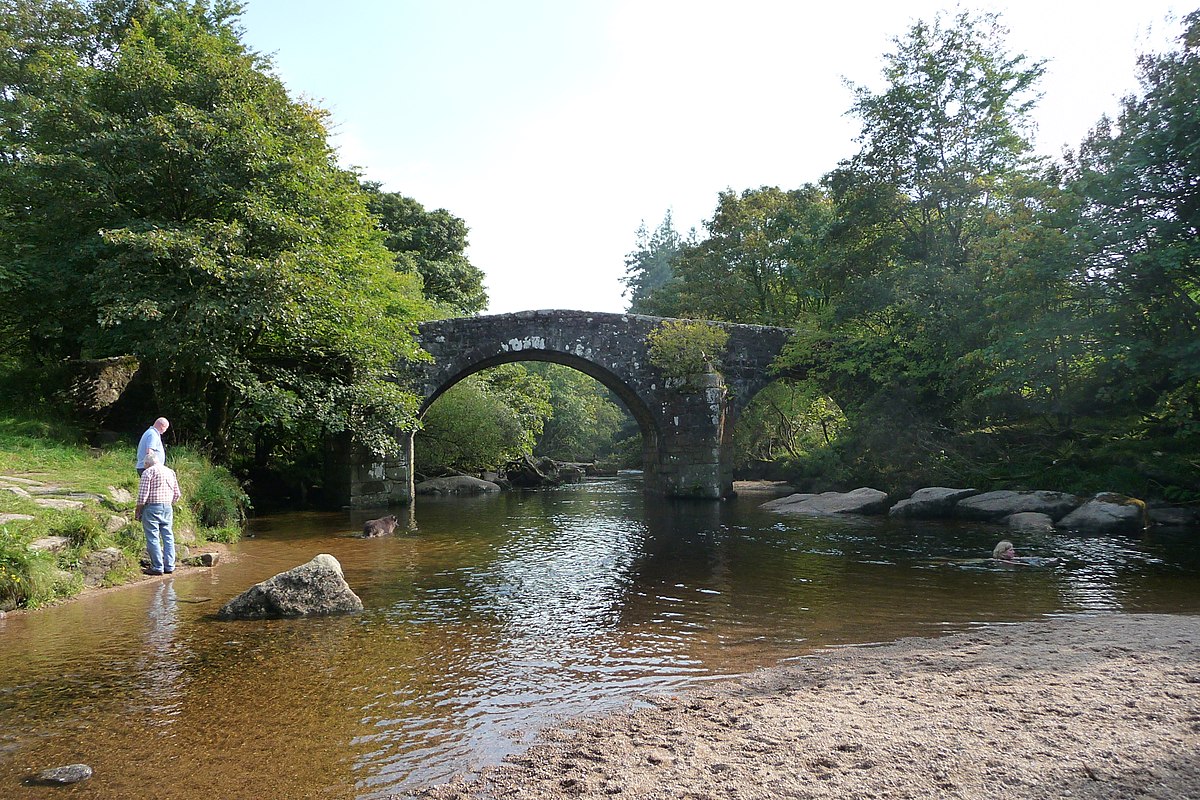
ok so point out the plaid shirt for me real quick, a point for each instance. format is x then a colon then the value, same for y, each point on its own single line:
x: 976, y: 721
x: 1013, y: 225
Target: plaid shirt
x: 158, y: 485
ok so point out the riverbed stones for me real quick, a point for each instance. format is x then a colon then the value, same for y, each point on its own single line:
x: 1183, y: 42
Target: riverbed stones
x: 1106, y: 513
x: 1030, y: 522
x: 313, y: 589
x: 934, y: 502
x: 863, y: 500
x: 456, y: 484
x: 62, y: 776
x: 995, y: 506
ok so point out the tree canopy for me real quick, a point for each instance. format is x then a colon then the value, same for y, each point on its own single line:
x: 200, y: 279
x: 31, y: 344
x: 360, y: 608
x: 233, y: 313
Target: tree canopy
x: 163, y: 196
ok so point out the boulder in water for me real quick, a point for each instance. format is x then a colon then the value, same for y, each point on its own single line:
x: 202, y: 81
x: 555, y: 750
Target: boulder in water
x: 863, y: 500
x: 311, y: 589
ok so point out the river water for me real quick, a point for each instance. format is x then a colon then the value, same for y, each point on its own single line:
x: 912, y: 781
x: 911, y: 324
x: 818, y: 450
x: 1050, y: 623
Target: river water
x: 489, y: 618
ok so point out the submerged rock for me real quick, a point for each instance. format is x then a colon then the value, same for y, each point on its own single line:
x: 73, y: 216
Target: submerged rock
x: 311, y: 589
x: 1030, y: 522
x: 61, y: 776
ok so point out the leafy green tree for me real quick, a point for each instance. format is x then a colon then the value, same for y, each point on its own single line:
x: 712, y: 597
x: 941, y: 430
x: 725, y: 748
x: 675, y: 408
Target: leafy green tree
x: 942, y: 147
x: 1141, y: 177
x: 433, y: 244
x: 650, y: 266
x: 163, y: 196
x: 484, y: 420
x: 763, y: 260
x: 585, y: 423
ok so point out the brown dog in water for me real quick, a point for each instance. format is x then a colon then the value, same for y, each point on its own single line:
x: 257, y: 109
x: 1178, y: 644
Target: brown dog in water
x: 379, y: 527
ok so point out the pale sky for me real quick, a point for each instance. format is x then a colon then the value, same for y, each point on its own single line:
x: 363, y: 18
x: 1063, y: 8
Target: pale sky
x: 554, y: 128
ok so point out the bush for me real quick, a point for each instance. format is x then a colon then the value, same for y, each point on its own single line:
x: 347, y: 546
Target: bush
x: 28, y: 578
x: 218, y: 501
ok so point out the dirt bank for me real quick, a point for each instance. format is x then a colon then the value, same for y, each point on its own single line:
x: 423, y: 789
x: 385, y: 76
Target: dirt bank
x: 1103, y: 706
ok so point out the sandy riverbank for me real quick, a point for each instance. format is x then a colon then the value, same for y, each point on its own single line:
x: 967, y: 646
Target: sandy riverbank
x: 1104, y: 706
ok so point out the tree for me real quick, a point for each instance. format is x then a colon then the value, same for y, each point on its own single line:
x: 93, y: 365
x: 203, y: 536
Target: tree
x: 650, y: 266
x: 942, y: 148
x: 433, y: 244
x: 763, y: 260
x: 484, y: 420
x: 585, y: 422
x: 164, y: 197
x: 1141, y: 176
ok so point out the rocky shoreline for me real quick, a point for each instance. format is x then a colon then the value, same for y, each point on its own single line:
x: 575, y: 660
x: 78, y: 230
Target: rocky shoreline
x: 1104, y: 706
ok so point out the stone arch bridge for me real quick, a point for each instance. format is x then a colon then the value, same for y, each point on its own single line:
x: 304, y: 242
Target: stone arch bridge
x: 686, y: 427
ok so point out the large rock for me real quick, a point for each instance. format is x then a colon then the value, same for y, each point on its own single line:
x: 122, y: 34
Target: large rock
x: 860, y: 501
x: 934, y: 502
x: 311, y: 589
x: 995, y: 506
x: 1030, y: 522
x: 1106, y: 513
x: 97, y: 565
x: 456, y: 484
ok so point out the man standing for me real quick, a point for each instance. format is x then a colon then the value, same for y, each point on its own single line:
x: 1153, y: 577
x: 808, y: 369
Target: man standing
x: 152, y: 441
x: 158, y: 490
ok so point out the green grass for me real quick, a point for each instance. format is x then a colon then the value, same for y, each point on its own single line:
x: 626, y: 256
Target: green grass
x: 55, y: 454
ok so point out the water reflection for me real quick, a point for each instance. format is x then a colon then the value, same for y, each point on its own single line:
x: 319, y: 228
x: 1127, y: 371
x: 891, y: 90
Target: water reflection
x: 490, y: 618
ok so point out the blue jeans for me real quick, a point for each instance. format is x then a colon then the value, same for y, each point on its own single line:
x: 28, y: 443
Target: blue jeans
x: 156, y: 522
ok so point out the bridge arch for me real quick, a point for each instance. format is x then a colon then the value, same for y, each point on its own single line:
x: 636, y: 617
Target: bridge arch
x: 686, y: 429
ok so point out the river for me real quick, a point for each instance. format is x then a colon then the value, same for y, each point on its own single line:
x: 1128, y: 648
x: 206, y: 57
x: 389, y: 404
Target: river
x: 488, y: 619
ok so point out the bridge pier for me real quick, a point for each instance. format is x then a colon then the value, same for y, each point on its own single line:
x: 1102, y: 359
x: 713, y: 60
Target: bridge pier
x: 692, y: 452
x: 357, y: 478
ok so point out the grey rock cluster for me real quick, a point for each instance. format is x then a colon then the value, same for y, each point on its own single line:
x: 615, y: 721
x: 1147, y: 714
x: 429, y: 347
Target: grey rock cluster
x: 1020, y: 511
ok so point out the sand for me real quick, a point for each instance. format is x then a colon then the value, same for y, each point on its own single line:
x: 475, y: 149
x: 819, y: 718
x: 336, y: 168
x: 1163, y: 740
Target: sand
x: 1103, y: 706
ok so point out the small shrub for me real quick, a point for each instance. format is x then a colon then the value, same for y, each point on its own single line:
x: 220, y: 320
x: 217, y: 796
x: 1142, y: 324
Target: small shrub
x: 28, y: 578
x: 82, y: 529
x: 683, y: 349
x: 218, y: 501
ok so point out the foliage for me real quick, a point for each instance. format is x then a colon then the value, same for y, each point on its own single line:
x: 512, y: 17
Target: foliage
x: 218, y: 501
x: 650, y: 266
x: 163, y: 196
x: 786, y: 421
x: 483, y: 421
x: 682, y: 349
x: 433, y: 244
x: 585, y: 421
x: 1141, y: 180
x: 980, y: 316
x: 762, y: 262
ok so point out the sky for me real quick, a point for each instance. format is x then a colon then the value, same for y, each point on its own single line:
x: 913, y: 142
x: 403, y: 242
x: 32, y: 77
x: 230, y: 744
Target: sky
x: 555, y: 128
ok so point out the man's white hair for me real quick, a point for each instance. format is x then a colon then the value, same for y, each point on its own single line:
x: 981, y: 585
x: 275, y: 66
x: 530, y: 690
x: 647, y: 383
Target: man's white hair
x: 150, y: 459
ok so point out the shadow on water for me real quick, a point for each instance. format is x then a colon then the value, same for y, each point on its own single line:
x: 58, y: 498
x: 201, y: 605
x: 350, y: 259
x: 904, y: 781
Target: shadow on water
x: 489, y: 618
